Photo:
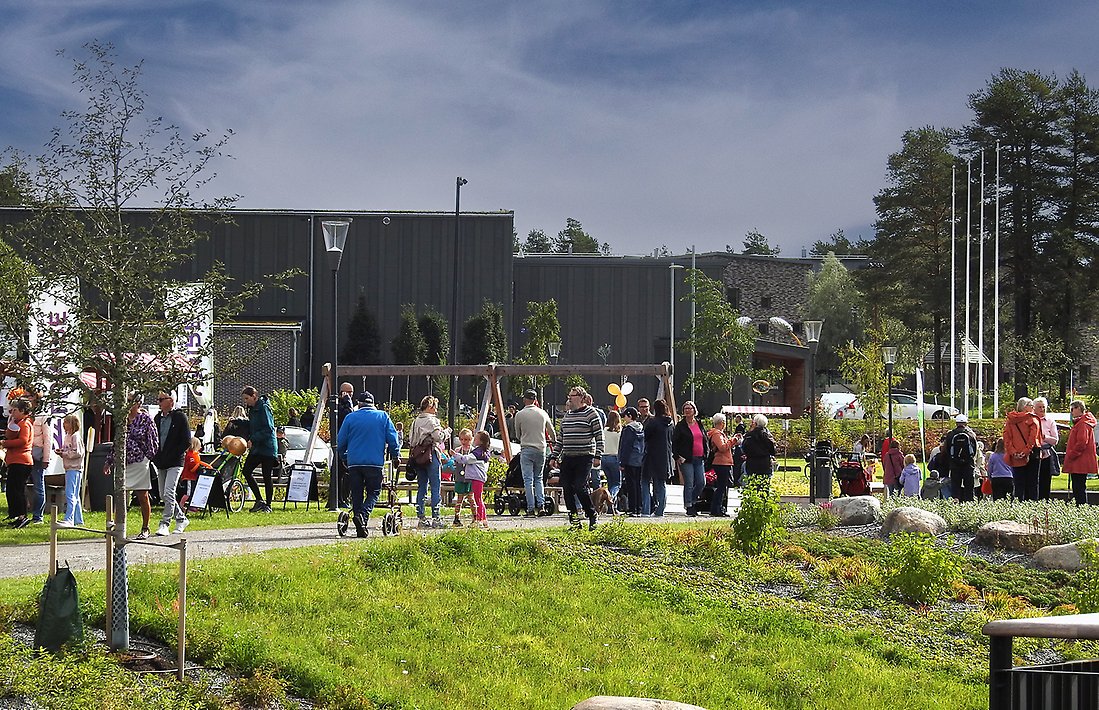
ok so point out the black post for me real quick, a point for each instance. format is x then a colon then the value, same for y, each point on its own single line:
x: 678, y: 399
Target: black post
x: 812, y: 422
x: 333, y: 418
x: 999, y: 679
x: 889, y: 396
x: 452, y: 404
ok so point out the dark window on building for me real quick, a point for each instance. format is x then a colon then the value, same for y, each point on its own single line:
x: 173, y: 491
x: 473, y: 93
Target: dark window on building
x: 763, y: 327
x: 765, y: 302
x: 1085, y: 373
x: 732, y: 294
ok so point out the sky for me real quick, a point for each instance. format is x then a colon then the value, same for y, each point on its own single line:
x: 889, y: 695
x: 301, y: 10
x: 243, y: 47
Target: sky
x: 653, y: 123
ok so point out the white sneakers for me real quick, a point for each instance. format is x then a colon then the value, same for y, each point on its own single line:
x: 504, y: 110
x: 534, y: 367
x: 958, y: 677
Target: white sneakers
x: 181, y: 525
x: 162, y: 530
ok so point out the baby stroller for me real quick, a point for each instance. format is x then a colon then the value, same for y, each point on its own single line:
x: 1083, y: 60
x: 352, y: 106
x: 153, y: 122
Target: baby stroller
x: 393, y: 520
x: 512, y: 495
x: 851, y: 473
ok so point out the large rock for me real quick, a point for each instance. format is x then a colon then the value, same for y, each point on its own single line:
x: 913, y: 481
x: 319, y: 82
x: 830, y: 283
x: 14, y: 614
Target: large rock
x: 857, y: 510
x: 612, y: 702
x: 1066, y: 557
x: 912, y: 520
x: 1010, y: 535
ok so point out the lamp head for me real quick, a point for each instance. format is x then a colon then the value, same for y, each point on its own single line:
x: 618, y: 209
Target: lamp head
x: 812, y: 330
x: 889, y: 355
x: 554, y: 349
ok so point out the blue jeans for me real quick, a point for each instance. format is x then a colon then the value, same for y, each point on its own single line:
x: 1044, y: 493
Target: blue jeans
x: 425, y: 475
x: 613, y: 472
x: 533, y: 462
x: 368, y: 479
x: 653, y: 493
x: 694, y: 480
x: 73, y: 512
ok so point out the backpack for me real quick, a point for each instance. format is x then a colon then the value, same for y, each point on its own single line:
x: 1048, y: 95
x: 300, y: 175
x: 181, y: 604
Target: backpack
x: 961, y: 448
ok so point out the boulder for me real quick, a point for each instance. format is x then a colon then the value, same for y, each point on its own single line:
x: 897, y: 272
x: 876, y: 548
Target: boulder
x: 1009, y: 535
x: 857, y: 510
x: 612, y: 702
x: 912, y: 520
x: 1065, y: 557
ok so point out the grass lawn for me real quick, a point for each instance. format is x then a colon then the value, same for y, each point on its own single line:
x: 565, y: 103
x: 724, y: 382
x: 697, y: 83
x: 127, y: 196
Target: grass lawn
x: 532, y: 620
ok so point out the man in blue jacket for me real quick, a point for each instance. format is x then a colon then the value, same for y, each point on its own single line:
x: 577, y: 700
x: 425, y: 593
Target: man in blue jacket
x: 365, y: 437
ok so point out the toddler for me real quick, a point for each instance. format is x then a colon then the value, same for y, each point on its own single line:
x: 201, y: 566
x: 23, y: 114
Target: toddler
x: 910, y: 477
x: 192, y: 465
x: 462, y: 486
x: 475, y: 465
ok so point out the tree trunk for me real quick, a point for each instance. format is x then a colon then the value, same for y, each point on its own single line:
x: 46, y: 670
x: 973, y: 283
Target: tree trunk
x: 120, y: 600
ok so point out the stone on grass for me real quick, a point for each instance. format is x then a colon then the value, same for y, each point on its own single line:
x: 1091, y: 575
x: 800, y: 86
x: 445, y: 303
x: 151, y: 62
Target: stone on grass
x: 1010, y: 535
x: 1064, y: 557
x: 857, y: 510
x: 613, y: 702
x: 912, y: 520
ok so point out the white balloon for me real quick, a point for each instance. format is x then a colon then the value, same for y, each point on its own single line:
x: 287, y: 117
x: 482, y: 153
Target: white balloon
x: 627, y: 387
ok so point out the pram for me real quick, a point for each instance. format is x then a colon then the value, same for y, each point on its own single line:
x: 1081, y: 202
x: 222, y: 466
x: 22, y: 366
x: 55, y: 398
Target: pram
x: 851, y: 473
x: 393, y: 520
x: 512, y: 495
x: 227, y: 468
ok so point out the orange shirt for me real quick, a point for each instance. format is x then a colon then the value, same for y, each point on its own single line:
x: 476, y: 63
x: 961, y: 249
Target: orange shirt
x: 1022, y: 434
x: 18, y: 443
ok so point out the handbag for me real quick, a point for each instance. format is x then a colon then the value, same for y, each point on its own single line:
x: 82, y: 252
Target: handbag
x: 421, y: 452
x: 986, y: 486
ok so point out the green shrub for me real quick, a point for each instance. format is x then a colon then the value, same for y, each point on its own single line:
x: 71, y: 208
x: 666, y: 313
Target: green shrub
x: 917, y: 570
x: 282, y: 400
x: 260, y: 690
x: 1087, y: 596
x: 758, y: 521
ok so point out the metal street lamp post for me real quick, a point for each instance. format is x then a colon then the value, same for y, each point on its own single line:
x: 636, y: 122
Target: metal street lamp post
x: 671, y: 311
x: 452, y: 404
x: 812, y: 336
x: 335, y: 238
x: 889, y: 357
x: 554, y: 349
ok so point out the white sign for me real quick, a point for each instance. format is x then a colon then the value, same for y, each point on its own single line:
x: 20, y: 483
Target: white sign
x: 301, y: 480
x: 194, y: 300
x: 203, y: 486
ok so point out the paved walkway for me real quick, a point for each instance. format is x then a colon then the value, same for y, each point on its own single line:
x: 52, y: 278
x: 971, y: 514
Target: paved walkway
x: 85, y: 555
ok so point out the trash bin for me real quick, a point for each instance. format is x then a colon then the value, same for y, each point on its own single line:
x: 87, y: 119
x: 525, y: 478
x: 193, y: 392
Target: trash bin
x: 99, y: 485
x: 823, y: 455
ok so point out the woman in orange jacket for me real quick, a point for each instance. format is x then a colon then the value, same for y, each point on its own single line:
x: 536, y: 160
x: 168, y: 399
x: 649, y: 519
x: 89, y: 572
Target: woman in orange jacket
x: 1022, y: 445
x: 17, y: 442
x: 1080, y: 452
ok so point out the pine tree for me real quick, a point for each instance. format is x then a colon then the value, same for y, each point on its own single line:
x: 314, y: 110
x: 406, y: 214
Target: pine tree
x: 363, y: 344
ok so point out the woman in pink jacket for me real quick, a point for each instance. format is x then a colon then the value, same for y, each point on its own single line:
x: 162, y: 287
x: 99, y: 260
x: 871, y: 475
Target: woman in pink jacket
x: 1080, y: 459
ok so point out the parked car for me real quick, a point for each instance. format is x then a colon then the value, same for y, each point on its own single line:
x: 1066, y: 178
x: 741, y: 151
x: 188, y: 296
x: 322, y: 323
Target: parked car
x: 844, y: 405
x: 297, y: 437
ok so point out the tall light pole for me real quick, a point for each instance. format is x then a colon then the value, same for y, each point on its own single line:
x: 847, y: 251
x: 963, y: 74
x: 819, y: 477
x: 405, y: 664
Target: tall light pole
x: 694, y: 281
x: 335, y: 238
x: 452, y: 404
x: 671, y: 313
x: 554, y: 349
x: 812, y: 336
x: 889, y: 357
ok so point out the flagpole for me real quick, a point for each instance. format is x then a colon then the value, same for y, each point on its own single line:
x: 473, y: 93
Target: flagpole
x: 981, y: 298
x: 996, y: 298
x: 953, y: 278
x: 968, y: 248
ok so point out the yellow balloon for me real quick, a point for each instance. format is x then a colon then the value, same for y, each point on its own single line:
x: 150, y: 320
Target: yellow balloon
x: 620, y: 400
x: 613, y: 389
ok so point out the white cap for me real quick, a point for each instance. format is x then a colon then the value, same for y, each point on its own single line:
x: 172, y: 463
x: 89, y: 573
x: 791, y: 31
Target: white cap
x: 961, y: 419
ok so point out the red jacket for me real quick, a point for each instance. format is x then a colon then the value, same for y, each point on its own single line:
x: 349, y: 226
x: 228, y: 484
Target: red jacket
x: 1080, y: 450
x: 18, y: 443
x: 1022, y: 434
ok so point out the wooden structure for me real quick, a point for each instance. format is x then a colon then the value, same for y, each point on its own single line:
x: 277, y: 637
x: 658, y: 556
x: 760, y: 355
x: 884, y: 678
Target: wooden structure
x: 493, y: 372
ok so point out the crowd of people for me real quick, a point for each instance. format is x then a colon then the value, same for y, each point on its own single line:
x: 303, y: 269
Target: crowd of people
x: 1020, y: 464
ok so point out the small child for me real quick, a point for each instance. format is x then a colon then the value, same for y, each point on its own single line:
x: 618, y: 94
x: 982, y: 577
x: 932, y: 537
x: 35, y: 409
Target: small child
x: 910, y: 477
x: 72, y: 456
x: 462, y: 487
x: 192, y: 464
x: 475, y: 465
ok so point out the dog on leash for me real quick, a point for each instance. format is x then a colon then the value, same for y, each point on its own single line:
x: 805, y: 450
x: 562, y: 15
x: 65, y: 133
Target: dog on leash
x: 602, y: 502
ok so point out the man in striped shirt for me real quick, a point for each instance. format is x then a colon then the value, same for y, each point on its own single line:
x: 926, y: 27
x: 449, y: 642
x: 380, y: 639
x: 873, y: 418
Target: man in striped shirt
x: 579, y: 448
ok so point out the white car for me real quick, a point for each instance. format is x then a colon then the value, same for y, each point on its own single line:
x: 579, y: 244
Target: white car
x: 844, y: 405
x: 298, y: 438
